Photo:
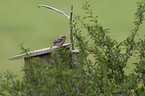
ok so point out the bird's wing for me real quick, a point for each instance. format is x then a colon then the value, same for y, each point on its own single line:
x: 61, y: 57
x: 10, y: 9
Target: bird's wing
x: 58, y: 40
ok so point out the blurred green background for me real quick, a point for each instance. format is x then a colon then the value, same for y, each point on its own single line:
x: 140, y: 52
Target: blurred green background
x: 22, y: 21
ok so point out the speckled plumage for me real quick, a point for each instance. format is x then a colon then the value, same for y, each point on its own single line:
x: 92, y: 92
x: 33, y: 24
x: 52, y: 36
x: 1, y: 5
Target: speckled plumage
x: 59, y: 41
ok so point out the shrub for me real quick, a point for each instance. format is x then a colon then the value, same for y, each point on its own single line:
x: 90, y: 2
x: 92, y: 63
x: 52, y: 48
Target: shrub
x: 102, y: 76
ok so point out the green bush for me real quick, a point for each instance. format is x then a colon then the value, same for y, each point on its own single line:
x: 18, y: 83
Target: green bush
x: 102, y: 76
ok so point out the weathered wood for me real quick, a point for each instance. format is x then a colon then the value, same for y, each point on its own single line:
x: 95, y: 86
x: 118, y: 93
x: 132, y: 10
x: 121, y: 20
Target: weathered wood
x: 46, y: 57
x: 38, y: 52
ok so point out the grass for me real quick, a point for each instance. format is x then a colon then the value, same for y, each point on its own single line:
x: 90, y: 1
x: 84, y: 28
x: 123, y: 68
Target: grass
x: 22, y: 21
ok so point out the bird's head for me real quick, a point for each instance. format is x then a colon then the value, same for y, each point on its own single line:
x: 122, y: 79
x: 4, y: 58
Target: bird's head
x: 63, y: 36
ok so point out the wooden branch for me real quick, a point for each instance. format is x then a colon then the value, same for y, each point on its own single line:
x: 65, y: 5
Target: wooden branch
x: 71, y: 28
x: 49, y: 7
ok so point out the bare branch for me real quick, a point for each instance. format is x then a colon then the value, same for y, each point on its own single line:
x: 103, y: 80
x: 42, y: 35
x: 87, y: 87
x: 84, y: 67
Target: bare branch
x: 49, y: 7
x: 71, y: 28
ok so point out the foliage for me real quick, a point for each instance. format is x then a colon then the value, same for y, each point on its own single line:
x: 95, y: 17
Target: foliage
x: 102, y: 76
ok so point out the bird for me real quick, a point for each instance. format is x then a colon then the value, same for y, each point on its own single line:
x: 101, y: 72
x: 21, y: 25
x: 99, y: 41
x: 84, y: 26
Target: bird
x: 59, y: 41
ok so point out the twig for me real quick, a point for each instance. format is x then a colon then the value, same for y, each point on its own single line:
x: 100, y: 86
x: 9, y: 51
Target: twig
x: 49, y: 7
x: 71, y: 28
